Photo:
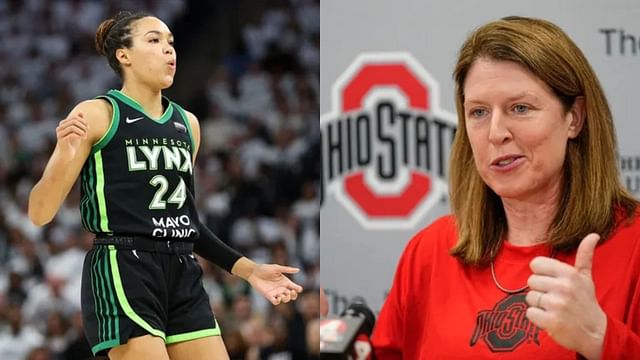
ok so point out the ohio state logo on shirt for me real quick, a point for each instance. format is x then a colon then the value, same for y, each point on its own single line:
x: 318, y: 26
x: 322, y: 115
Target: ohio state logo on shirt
x: 386, y: 142
x: 506, y: 326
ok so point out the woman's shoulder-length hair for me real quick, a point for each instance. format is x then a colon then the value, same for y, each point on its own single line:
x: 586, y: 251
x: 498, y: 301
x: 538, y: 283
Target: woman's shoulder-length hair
x: 591, y: 191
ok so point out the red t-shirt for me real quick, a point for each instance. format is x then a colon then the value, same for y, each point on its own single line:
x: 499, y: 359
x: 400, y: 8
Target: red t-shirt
x: 439, y: 308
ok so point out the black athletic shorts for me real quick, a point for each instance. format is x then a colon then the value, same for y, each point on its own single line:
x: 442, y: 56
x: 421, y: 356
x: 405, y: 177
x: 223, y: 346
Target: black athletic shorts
x: 136, y: 286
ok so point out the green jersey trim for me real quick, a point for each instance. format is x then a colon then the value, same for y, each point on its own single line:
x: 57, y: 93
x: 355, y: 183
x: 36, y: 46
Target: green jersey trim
x: 97, y: 300
x: 92, y: 196
x: 134, y: 104
x: 105, y: 305
x: 102, y: 203
x: 88, y: 206
x: 122, y: 298
x: 84, y: 209
x: 193, y: 335
x: 105, y: 345
x: 114, y: 309
x: 115, y: 120
x: 188, y: 124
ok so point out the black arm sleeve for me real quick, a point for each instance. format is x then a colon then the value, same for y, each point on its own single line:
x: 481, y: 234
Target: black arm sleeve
x: 210, y: 247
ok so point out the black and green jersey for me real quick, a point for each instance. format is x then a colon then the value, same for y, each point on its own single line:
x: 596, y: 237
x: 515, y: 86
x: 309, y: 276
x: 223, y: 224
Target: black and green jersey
x: 138, y: 179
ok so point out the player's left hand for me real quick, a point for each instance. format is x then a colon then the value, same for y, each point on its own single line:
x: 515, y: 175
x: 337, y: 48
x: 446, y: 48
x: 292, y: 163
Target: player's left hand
x: 562, y: 301
x: 270, y: 281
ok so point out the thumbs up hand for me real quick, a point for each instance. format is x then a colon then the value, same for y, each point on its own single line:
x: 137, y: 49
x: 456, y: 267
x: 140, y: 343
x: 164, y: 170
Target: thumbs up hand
x: 562, y: 301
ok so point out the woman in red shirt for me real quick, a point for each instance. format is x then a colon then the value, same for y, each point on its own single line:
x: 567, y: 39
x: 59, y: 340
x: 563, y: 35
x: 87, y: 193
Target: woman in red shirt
x: 541, y: 257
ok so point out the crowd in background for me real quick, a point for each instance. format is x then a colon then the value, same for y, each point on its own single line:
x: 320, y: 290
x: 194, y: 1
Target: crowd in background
x: 257, y: 171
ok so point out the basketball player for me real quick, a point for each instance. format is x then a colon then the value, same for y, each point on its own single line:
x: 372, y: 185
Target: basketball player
x: 134, y: 150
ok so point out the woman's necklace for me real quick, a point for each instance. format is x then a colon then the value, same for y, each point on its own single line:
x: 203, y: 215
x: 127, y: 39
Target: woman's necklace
x: 511, y: 291
x: 504, y: 289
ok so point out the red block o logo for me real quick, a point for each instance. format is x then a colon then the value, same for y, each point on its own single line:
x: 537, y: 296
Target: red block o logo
x: 369, y: 77
x: 402, y: 206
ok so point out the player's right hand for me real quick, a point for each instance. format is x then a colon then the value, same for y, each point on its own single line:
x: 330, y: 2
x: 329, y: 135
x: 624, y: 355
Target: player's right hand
x: 70, y: 132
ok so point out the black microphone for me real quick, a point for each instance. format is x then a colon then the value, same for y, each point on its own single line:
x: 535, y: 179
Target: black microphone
x: 346, y: 337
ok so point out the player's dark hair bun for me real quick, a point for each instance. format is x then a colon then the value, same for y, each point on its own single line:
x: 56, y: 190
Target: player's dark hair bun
x: 101, y: 35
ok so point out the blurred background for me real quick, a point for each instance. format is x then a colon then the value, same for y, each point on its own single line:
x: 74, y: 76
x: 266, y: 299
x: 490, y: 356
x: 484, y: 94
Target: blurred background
x: 250, y: 71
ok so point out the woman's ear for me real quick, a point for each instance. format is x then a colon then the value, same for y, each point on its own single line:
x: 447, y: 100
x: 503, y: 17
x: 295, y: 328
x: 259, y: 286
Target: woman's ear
x: 123, y: 56
x: 578, y: 115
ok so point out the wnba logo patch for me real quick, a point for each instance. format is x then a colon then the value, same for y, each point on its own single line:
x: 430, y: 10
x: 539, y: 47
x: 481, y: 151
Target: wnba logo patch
x: 386, y: 142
